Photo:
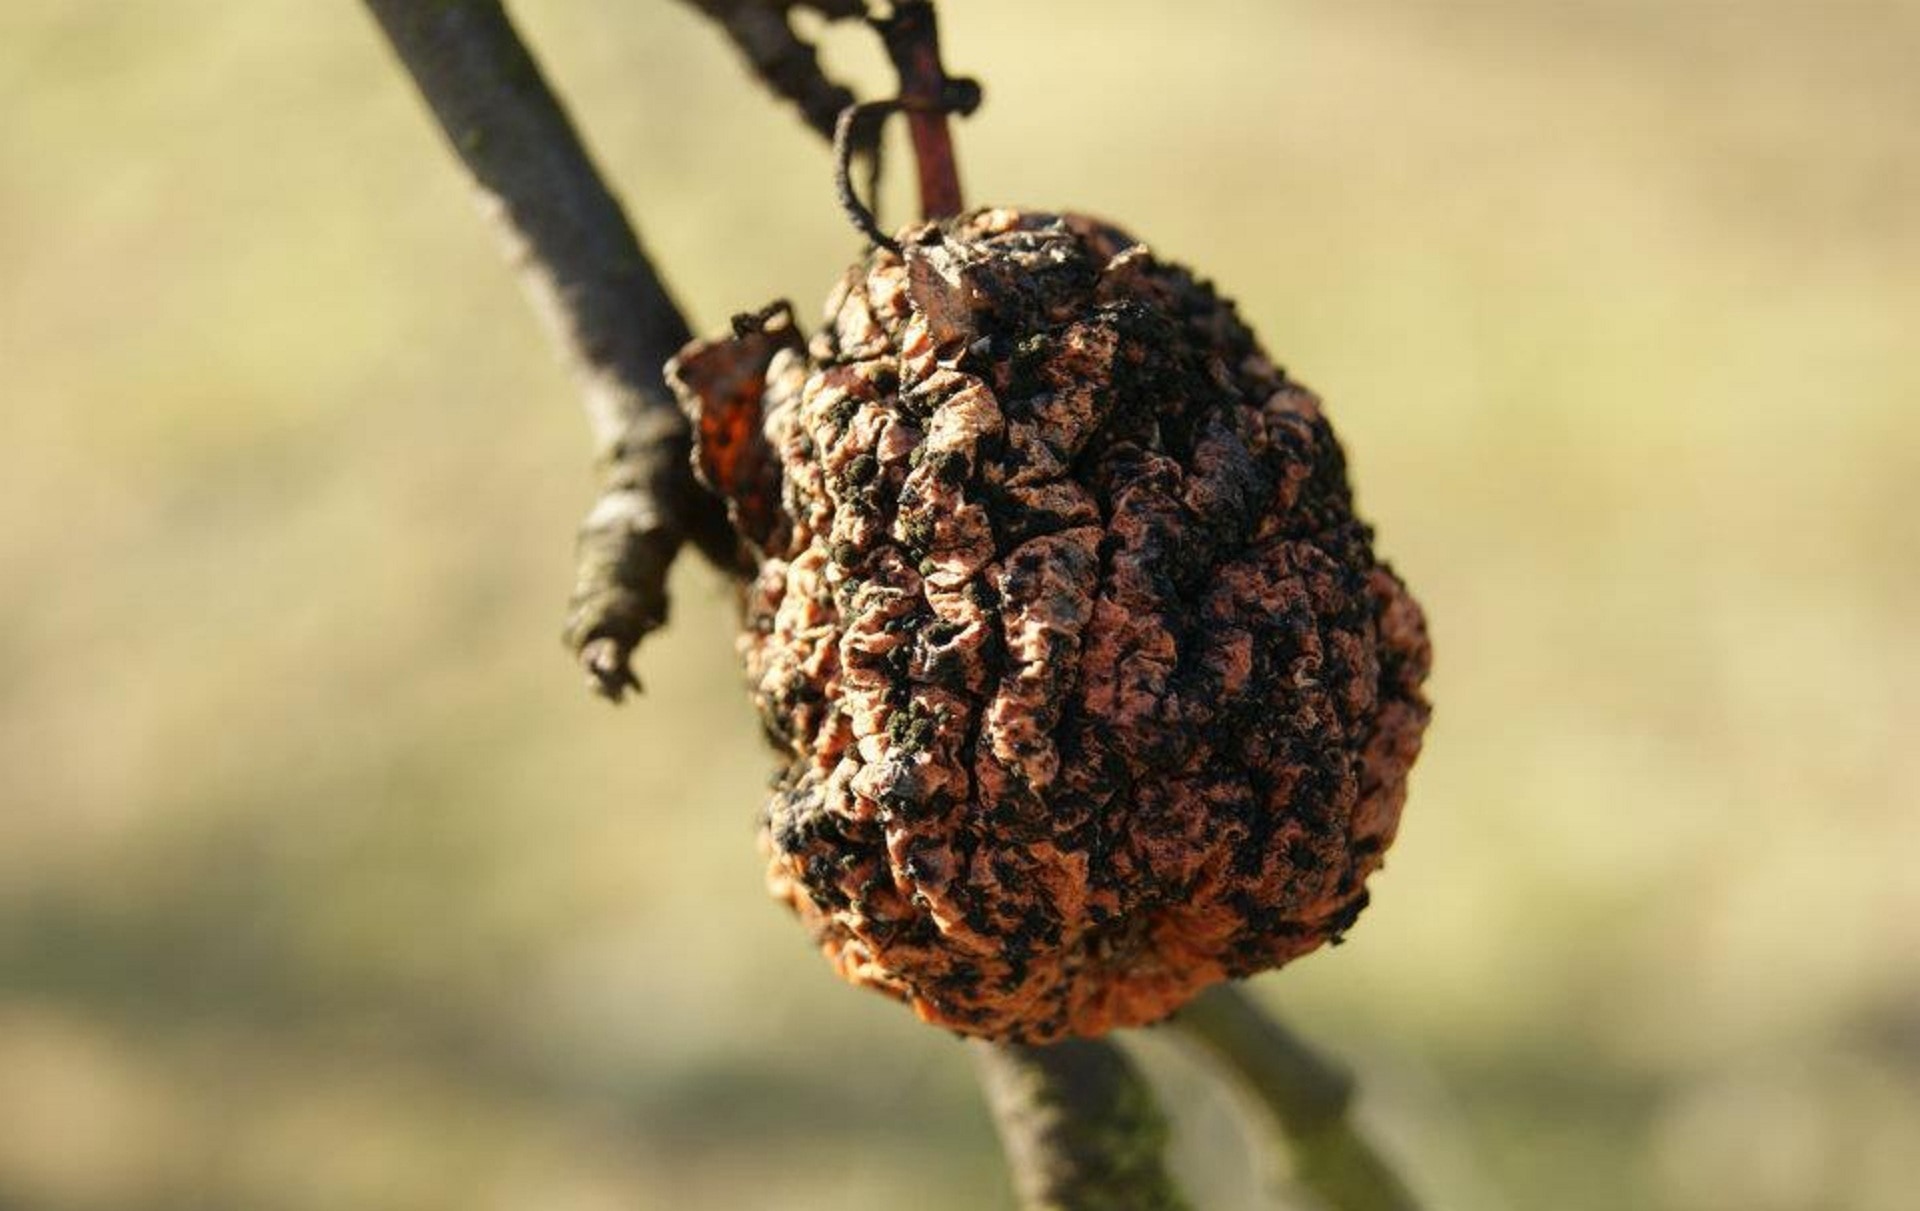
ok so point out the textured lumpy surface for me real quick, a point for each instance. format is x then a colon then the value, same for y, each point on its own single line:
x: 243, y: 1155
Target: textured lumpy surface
x: 1087, y: 688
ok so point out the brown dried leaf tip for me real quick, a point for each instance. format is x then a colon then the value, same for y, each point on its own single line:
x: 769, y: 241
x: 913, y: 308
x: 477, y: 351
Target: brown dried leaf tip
x: 1088, y: 689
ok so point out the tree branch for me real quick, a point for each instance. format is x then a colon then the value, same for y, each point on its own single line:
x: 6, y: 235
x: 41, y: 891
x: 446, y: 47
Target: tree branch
x: 608, y: 310
x: 1080, y: 1126
x: 1307, y: 1095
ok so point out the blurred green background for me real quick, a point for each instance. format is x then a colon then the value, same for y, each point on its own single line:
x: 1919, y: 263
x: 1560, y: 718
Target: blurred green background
x: 324, y: 884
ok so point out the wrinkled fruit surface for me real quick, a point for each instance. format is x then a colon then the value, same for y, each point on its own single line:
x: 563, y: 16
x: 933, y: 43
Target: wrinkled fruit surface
x: 1087, y: 688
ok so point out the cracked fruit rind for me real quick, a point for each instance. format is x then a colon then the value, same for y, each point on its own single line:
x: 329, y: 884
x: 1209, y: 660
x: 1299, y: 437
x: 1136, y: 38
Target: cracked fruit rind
x: 1087, y: 688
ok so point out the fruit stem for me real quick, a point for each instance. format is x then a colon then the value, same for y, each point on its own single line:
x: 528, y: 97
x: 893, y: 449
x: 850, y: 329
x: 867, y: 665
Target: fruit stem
x: 927, y: 94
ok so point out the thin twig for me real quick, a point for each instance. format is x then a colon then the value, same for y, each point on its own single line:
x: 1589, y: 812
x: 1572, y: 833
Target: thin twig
x: 1308, y: 1096
x: 1080, y: 1127
x: 613, y: 319
x: 763, y: 32
x: 860, y: 124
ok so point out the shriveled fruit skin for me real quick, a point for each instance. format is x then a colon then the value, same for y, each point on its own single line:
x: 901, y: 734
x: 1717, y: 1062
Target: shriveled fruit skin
x: 1087, y: 688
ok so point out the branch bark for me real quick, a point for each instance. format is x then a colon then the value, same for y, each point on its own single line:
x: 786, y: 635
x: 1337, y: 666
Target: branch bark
x: 1307, y: 1095
x: 606, y: 308
x: 1080, y: 1126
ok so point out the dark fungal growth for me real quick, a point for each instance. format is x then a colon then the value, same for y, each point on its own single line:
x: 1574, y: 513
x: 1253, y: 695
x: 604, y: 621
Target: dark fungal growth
x: 1087, y: 688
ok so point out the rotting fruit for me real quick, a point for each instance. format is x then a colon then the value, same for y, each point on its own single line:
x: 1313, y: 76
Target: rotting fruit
x: 1087, y: 688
